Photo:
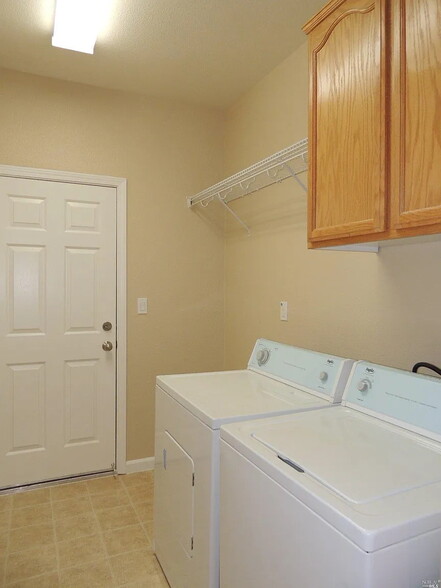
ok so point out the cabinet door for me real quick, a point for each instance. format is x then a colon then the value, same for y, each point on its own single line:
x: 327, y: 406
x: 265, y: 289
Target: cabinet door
x: 347, y: 120
x: 416, y: 116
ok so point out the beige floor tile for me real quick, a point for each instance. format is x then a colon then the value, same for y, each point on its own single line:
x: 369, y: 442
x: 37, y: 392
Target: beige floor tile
x: 5, y: 518
x: 65, y: 491
x: 104, y: 485
x: 4, y: 536
x: 150, y: 530
x: 31, y: 498
x: 75, y: 527
x: 95, y: 575
x: 31, y: 515
x: 135, y: 566
x: 144, y: 480
x: 139, y: 494
x: 127, y: 539
x: 111, y: 500
x: 5, y: 502
x: 45, y: 581
x: 77, y: 552
x: 115, y: 518
x: 139, y: 479
x: 152, y: 581
x: 145, y: 511
x: 158, y: 581
x: 31, y: 536
x: 31, y: 562
x: 71, y: 507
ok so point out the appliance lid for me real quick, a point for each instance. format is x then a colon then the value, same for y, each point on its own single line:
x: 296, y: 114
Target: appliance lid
x: 217, y: 398
x: 359, y: 458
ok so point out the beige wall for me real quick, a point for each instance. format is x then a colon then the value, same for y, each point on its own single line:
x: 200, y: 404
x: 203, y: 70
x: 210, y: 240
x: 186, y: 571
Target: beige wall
x: 385, y: 307
x: 381, y: 307
x: 167, y: 151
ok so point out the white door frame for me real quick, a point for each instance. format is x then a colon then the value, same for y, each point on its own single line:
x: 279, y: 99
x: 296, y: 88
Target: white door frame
x: 120, y: 184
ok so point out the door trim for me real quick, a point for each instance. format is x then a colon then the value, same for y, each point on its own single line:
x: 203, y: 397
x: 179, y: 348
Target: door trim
x: 120, y: 184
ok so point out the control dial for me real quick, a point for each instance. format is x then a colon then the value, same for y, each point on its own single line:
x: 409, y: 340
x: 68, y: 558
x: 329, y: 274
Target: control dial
x: 364, y: 385
x: 262, y: 356
x: 323, y: 377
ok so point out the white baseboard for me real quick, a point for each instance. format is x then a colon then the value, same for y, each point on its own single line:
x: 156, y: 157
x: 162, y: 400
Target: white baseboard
x: 140, y: 465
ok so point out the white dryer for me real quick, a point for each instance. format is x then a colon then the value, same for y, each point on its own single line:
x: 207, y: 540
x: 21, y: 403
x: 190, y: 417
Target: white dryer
x: 343, y: 498
x: 190, y: 409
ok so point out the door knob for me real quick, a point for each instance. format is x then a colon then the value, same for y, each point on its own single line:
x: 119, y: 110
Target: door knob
x: 107, y: 346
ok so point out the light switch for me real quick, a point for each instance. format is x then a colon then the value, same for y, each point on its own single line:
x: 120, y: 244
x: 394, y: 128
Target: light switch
x: 283, y: 310
x: 142, y: 305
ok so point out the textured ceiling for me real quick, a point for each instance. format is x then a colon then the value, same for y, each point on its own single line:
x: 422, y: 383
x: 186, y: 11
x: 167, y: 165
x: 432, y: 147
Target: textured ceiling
x: 204, y: 51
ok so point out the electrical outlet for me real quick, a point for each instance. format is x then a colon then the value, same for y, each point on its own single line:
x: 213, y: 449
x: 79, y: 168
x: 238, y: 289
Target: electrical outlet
x: 283, y: 310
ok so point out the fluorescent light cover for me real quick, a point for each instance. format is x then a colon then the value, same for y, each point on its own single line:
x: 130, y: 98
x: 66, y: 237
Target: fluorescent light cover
x: 77, y: 23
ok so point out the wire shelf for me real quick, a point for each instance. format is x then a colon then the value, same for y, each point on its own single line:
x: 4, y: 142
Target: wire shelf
x: 284, y: 164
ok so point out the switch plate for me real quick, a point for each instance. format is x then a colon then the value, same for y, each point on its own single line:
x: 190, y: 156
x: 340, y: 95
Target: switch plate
x: 142, y: 305
x: 283, y: 310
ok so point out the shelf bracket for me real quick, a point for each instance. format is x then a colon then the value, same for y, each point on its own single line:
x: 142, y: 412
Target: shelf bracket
x: 231, y: 211
x: 245, y: 186
x: 273, y: 174
x: 294, y: 175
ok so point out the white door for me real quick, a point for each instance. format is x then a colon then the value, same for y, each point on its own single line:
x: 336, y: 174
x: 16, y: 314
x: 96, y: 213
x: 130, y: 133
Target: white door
x: 57, y: 289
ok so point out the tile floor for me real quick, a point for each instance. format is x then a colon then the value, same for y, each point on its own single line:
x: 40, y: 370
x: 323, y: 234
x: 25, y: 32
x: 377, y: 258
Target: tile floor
x: 80, y: 535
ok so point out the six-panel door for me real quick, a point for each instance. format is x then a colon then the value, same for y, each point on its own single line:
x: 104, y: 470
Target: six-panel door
x: 57, y: 288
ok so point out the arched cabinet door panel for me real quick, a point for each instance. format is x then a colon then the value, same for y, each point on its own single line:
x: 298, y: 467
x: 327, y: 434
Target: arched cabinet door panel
x: 347, y: 120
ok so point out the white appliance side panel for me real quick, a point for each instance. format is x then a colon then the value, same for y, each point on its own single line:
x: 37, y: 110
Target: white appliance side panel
x: 269, y: 538
x: 202, y: 446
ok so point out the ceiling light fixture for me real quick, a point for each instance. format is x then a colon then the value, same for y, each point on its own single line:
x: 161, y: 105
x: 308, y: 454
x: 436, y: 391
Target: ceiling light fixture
x: 77, y: 23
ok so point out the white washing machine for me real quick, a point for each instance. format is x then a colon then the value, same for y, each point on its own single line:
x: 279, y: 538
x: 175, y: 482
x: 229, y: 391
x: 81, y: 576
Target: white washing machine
x: 190, y: 409
x: 342, y: 498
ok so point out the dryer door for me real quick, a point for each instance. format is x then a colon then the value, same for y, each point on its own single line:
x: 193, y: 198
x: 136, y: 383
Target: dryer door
x: 174, y: 505
x: 178, y: 476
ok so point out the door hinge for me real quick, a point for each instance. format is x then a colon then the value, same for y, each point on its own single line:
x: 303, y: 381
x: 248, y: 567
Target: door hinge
x: 192, y: 480
x: 192, y: 542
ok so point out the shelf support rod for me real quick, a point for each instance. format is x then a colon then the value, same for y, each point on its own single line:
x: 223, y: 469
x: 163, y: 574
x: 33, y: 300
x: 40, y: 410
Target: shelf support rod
x: 231, y: 211
x: 294, y: 175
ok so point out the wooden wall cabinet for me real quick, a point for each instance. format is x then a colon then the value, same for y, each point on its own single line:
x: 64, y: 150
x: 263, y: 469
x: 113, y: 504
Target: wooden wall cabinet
x: 375, y: 121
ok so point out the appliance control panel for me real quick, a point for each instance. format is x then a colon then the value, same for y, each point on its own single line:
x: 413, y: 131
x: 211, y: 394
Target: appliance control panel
x: 412, y: 399
x: 309, y: 370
